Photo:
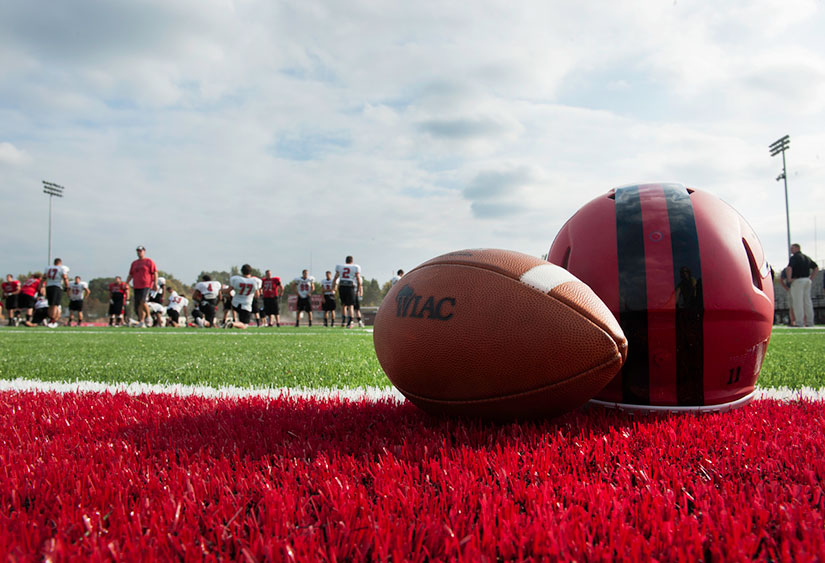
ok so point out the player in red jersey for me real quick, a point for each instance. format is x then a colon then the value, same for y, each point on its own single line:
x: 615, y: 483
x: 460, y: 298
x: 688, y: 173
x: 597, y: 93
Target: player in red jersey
x: 118, y: 295
x: 28, y: 294
x: 271, y: 290
x: 11, y: 289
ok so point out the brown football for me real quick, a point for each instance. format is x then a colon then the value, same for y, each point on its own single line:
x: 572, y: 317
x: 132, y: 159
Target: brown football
x: 496, y: 334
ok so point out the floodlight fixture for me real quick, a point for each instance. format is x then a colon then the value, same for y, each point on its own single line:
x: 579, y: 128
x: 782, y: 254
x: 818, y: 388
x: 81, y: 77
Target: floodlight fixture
x: 52, y: 190
x: 780, y: 146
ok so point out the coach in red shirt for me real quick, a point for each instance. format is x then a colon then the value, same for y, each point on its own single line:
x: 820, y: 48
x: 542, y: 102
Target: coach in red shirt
x: 144, y: 275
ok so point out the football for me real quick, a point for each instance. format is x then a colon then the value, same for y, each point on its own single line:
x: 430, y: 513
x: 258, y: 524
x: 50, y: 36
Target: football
x: 496, y: 334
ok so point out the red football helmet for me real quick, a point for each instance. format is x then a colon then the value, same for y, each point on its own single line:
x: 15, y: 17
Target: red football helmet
x: 687, y: 279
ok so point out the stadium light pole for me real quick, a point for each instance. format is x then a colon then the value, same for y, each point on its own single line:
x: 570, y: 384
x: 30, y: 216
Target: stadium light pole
x: 780, y: 146
x: 52, y: 190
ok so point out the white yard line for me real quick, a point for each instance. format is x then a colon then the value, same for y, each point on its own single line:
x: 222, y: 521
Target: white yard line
x: 356, y: 394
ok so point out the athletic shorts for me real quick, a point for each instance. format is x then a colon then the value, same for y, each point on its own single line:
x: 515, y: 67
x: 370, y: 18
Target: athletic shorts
x: 227, y: 303
x: 54, y: 293
x: 357, y: 304
x: 40, y: 315
x: 141, y: 295
x: 76, y: 305
x: 173, y: 315
x: 271, y: 306
x: 244, y: 316
x: 255, y: 305
x: 304, y: 304
x: 116, y: 304
x: 208, y: 307
x: 11, y: 302
x: 329, y: 303
x: 347, y: 295
x: 25, y: 301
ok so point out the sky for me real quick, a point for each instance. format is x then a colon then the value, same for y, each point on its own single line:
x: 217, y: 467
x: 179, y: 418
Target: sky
x: 288, y: 135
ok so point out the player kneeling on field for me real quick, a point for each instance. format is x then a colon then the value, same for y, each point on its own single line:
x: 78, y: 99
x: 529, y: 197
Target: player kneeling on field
x: 177, y: 303
x: 205, y: 297
x: 246, y: 287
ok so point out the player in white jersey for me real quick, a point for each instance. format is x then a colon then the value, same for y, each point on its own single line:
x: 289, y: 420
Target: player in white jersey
x: 304, y: 286
x: 156, y: 295
x: 156, y: 315
x: 397, y: 277
x: 328, y: 286
x: 57, y: 279
x: 41, y: 314
x: 206, y: 295
x: 348, y: 276
x: 246, y: 289
x: 177, y: 304
x: 78, y: 291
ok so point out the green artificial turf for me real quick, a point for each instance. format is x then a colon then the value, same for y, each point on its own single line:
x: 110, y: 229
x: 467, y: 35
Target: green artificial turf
x: 261, y: 358
x: 285, y: 357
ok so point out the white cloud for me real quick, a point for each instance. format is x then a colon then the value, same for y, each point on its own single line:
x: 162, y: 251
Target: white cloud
x: 12, y: 156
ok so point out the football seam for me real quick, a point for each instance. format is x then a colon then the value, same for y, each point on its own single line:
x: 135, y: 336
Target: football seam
x: 617, y: 357
x: 564, y: 302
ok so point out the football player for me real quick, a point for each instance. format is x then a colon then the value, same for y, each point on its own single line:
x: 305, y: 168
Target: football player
x: 256, y: 303
x: 304, y: 286
x: 227, y: 294
x: 57, y: 280
x: 41, y: 313
x: 118, y: 295
x: 246, y: 287
x: 271, y: 291
x: 177, y: 303
x: 328, y: 286
x: 206, y: 296
x: 26, y: 299
x: 349, y: 286
x: 78, y: 291
x: 11, y: 289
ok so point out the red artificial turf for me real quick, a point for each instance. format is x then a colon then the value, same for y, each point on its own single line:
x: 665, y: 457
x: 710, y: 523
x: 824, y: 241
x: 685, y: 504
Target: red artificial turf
x: 158, y: 477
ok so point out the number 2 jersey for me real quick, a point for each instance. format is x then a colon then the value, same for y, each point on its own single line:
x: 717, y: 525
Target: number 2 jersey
x: 245, y: 289
x: 347, y: 273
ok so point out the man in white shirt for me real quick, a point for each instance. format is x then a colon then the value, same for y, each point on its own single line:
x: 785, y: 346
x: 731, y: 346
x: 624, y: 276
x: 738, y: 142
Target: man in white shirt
x: 246, y: 289
x: 348, y: 276
x: 206, y: 296
x: 177, y: 303
x: 57, y: 279
x: 78, y: 291
x: 304, y: 286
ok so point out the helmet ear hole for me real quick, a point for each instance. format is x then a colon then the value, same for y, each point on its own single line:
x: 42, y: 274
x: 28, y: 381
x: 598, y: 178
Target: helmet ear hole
x: 755, y: 277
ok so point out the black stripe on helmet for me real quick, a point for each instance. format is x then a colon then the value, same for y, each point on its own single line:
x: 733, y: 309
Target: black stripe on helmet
x: 690, y: 307
x: 630, y: 243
